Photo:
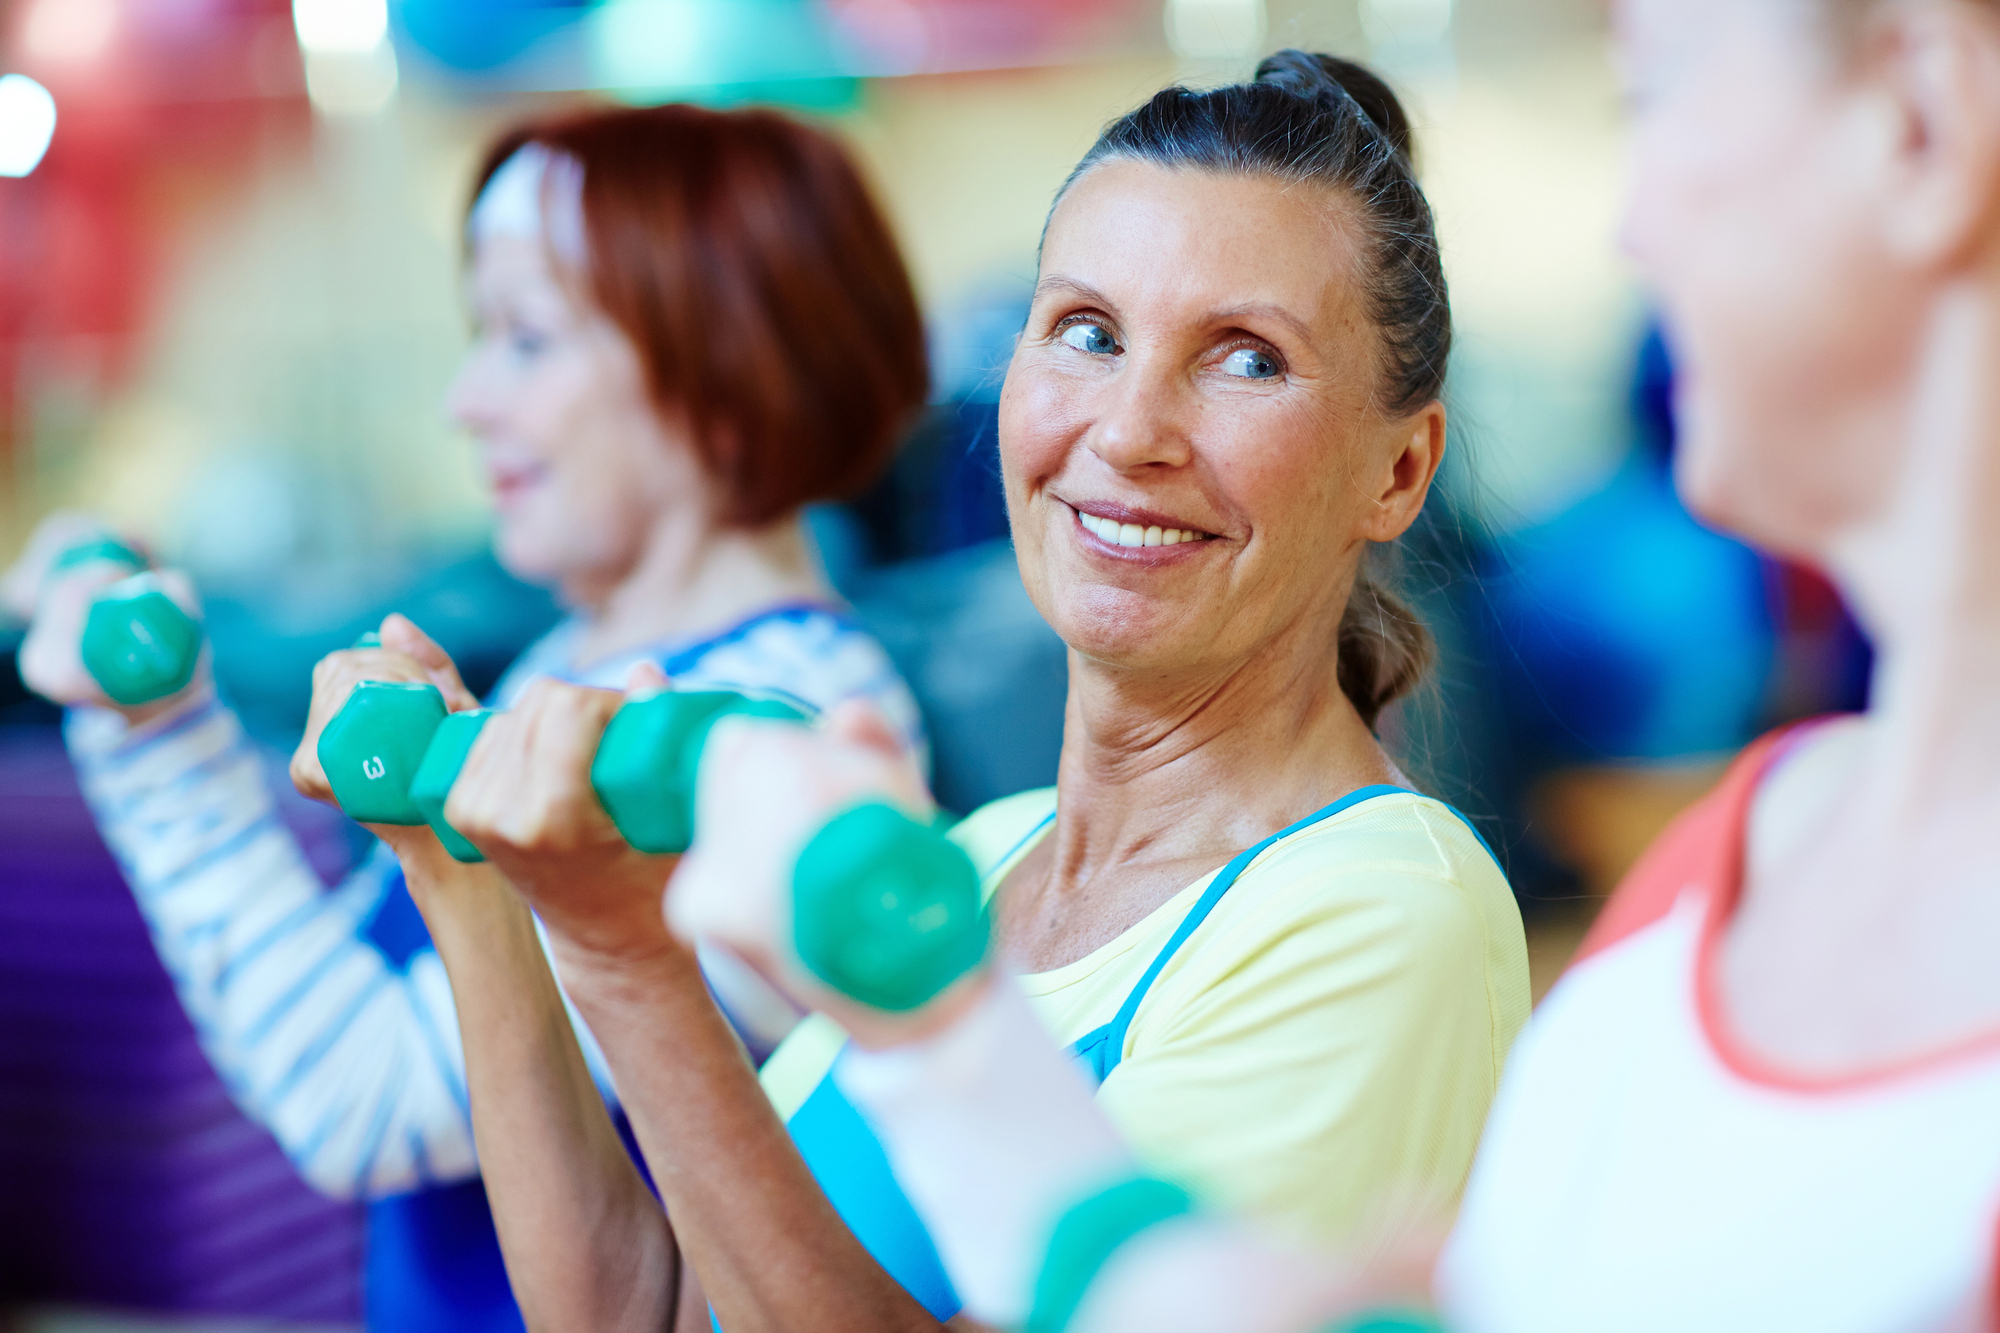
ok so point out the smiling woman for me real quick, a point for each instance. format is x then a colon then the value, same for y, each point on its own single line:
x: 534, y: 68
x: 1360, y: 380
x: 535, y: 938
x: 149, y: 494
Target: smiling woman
x: 1291, y: 978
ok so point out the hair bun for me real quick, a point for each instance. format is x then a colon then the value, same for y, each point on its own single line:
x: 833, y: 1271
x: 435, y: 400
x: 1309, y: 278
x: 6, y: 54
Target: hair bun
x: 1309, y: 74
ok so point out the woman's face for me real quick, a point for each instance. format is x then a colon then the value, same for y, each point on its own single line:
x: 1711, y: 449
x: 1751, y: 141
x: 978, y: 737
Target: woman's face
x: 1198, y: 364
x: 1760, y: 168
x: 583, y: 467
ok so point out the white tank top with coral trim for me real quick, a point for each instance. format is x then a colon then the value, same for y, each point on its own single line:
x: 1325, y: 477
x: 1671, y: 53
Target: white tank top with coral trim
x: 1636, y: 1177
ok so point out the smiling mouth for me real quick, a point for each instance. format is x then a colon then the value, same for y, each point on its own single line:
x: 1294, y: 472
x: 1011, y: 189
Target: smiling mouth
x: 1114, y: 533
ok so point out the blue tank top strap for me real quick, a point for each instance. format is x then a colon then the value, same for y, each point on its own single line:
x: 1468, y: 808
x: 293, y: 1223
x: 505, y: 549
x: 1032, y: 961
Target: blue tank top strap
x: 1101, y: 1050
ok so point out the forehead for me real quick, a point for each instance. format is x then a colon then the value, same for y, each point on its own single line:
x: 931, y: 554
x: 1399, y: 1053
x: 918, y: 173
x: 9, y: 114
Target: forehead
x: 1185, y: 239
x: 507, y: 267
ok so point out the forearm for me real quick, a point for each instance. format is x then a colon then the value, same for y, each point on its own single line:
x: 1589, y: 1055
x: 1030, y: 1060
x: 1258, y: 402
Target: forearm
x: 586, y: 1244
x: 754, y: 1227
x: 351, y: 1062
x: 993, y: 1132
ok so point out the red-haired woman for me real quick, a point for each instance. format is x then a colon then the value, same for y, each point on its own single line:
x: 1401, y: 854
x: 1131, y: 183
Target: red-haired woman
x: 689, y: 324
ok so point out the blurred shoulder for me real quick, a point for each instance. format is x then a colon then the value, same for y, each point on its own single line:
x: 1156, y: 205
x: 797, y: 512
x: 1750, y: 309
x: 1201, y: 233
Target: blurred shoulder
x: 809, y: 653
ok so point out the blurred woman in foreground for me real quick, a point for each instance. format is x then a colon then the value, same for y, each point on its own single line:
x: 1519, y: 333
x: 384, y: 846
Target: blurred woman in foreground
x: 1290, y: 977
x: 1768, y: 1094
x: 689, y: 324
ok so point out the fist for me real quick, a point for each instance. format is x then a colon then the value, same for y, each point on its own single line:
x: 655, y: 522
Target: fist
x: 51, y: 657
x: 21, y: 585
x: 524, y: 798
x: 407, y: 656
x: 765, y: 789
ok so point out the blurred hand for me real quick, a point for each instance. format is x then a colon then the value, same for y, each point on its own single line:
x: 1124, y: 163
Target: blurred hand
x: 21, y: 585
x: 407, y: 656
x: 51, y: 656
x: 524, y: 799
x: 765, y: 788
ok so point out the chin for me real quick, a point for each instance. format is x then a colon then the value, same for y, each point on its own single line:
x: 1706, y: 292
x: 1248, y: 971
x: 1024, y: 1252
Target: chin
x: 522, y: 553
x: 1744, y: 483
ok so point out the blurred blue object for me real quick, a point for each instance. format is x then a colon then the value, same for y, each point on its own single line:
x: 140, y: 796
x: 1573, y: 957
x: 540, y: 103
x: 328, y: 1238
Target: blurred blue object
x: 1625, y: 629
x: 474, y: 36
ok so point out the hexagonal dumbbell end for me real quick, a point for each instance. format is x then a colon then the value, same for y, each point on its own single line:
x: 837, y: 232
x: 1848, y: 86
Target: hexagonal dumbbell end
x: 645, y: 768
x: 138, y: 643
x: 886, y: 910
x: 431, y: 787
x: 372, y: 748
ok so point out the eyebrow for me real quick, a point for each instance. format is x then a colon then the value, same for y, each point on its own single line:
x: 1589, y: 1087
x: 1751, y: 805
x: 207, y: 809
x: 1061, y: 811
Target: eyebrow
x: 1058, y: 282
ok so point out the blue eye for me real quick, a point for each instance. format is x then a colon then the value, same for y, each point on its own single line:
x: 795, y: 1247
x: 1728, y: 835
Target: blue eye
x: 1092, y: 338
x: 525, y: 342
x: 1252, y: 363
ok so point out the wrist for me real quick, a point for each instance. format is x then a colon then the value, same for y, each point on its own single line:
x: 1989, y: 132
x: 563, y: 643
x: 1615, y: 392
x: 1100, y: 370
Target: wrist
x: 624, y: 969
x: 128, y: 724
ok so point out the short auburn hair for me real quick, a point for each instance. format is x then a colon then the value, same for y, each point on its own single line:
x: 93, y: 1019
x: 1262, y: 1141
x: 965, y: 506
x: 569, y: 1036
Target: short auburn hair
x: 750, y: 266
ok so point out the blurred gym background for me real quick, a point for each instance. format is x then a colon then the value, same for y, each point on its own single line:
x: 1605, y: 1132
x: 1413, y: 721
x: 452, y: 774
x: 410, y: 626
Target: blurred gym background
x: 229, y: 306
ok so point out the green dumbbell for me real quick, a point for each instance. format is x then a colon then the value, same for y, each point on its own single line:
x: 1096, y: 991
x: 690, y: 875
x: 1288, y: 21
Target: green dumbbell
x: 886, y: 910
x: 138, y: 644
x: 644, y: 772
x: 430, y: 788
x: 375, y: 744
x: 372, y: 748
x: 1388, y: 1321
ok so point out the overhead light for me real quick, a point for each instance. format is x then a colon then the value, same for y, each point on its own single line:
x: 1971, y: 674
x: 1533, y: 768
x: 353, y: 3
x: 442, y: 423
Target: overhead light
x: 1215, y: 29
x: 341, y: 27
x: 27, y: 123
x: 350, y: 62
x: 70, y: 32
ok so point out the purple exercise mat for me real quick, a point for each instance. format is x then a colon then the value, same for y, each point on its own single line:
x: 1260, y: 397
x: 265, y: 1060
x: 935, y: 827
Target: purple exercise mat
x: 127, y: 1177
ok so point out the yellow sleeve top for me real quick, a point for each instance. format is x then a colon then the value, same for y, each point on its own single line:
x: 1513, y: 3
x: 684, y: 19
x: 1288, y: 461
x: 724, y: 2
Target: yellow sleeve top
x: 1331, y: 1034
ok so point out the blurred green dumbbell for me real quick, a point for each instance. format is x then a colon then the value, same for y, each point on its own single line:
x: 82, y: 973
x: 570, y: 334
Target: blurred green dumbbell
x: 645, y: 768
x: 886, y: 910
x: 138, y: 644
x: 375, y: 744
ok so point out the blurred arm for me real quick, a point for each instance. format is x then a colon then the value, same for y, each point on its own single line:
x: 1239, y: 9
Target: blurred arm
x: 992, y: 1132
x: 351, y: 1062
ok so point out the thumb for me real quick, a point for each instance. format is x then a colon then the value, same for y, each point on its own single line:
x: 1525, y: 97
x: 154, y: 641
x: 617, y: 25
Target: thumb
x: 861, y: 723
x: 646, y: 679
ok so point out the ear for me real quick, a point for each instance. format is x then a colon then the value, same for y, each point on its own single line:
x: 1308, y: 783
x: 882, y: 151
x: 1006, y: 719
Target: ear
x: 1939, y: 65
x: 1417, y: 445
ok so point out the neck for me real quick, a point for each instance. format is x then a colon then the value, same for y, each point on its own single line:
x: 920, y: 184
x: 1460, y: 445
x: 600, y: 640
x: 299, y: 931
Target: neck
x: 692, y: 578
x: 1184, y: 762
x: 1926, y: 578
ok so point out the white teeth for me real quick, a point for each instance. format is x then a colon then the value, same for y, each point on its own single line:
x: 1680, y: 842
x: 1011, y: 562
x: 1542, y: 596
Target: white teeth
x: 1131, y: 534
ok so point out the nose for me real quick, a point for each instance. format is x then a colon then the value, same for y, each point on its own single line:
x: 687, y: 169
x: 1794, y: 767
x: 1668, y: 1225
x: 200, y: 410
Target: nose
x: 1143, y: 417
x: 470, y: 400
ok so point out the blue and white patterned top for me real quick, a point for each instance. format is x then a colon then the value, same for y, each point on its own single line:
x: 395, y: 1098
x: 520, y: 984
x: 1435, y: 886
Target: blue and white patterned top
x: 331, y: 1023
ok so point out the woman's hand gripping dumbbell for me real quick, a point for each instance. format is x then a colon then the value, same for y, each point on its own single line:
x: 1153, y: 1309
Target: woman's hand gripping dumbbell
x: 818, y: 862
x: 106, y: 628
